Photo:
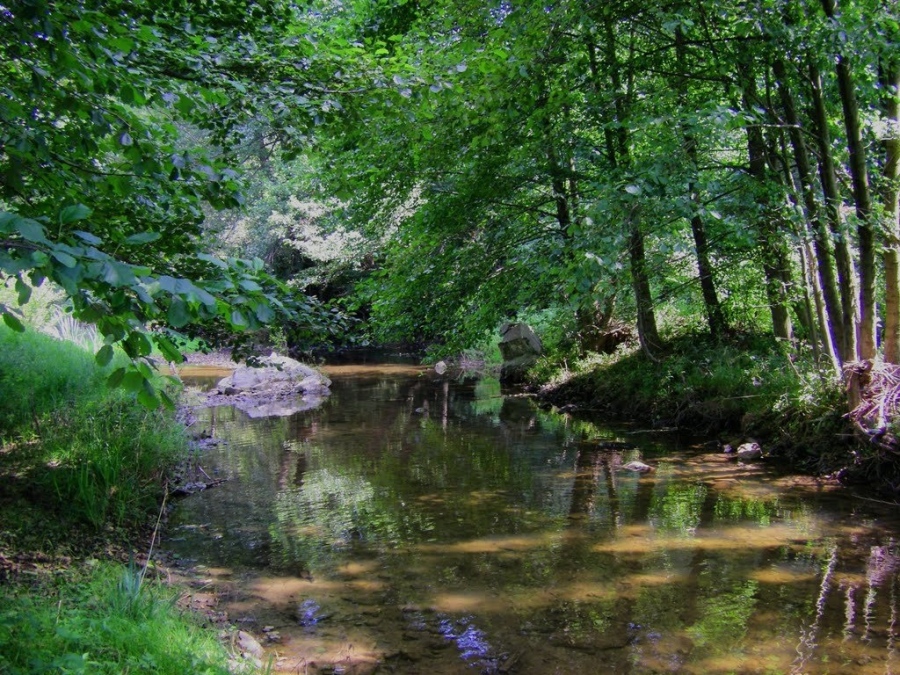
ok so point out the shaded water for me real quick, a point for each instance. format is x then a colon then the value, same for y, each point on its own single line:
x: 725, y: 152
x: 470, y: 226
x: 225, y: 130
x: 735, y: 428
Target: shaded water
x: 416, y: 525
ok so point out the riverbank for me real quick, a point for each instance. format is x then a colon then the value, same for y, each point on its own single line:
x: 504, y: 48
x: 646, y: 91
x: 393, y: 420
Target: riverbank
x: 83, y: 474
x: 746, y: 389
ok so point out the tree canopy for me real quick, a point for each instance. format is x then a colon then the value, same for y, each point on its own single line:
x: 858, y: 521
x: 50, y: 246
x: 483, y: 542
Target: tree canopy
x: 719, y: 164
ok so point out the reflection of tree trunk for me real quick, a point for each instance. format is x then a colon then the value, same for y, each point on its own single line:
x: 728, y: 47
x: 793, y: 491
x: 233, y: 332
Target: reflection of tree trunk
x: 849, y: 611
x: 808, y: 636
x: 585, y: 486
x: 612, y: 494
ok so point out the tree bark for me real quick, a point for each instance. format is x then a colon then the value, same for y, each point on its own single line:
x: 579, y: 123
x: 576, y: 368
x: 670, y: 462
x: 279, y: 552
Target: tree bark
x: 862, y: 197
x: 828, y: 178
x: 827, y: 282
x: 648, y: 334
x: 767, y: 234
x: 890, y: 84
x: 714, y: 316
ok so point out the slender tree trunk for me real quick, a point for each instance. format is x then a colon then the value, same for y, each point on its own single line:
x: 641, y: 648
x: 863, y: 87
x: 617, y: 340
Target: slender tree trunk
x: 768, y: 236
x: 843, y: 259
x: 648, y: 334
x: 714, y: 315
x: 827, y: 281
x: 862, y: 196
x: 890, y: 84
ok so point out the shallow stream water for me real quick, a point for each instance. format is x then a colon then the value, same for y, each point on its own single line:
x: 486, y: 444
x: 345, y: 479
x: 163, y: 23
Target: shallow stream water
x: 416, y: 524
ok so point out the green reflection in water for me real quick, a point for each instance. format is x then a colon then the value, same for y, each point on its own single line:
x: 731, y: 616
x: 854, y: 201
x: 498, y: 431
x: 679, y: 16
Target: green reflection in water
x: 450, y: 513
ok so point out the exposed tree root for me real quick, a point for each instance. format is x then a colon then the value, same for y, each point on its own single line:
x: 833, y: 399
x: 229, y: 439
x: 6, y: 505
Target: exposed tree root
x: 878, y: 388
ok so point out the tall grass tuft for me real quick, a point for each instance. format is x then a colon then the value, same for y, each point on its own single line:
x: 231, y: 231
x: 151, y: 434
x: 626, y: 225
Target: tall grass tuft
x: 107, y: 622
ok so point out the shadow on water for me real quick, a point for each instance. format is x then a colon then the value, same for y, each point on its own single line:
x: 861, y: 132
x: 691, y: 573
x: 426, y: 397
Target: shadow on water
x: 420, y: 525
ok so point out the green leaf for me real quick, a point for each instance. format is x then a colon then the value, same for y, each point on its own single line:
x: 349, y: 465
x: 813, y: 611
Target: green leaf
x: 116, y: 377
x: 168, y: 349
x: 13, y: 322
x: 71, y: 214
x: 142, y: 238
x: 133, y: 381
x: 64, y: 258
x: 167, y: 401
x: 264, y: 313
x: 88, y: 238
x: 104, y: 356
x: 178, y: 314
x: 147, y: 397
x: 212, y: 259
x: 249, y: 285
x: 24, y: 291
x: 31, y: 230
x: 238, y: 319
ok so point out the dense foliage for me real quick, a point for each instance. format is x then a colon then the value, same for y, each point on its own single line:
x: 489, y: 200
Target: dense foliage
x: 437, y: 168
x: 704, y: 158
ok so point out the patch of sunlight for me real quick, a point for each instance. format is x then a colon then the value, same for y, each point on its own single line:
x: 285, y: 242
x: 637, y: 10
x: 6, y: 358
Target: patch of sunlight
x: 397, y: 369
x: 432, y: 498
x: 468, y: 602
x: 782, y: 575
x: 491, y: 544
x: 355, y: 569
x: 585, y: 591
x: 657, y: 578
x: 477, y: 497
x: 278, y: 590
x: 735, y: 539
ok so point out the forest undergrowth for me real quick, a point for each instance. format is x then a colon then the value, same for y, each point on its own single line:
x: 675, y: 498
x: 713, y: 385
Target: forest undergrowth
x: 748, y: 387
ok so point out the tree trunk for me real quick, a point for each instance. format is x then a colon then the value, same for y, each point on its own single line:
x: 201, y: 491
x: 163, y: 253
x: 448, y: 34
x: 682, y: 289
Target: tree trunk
x: 821, y: 240
x: 714, y: 315
x: 862, y: 196
x: 772, y: 257
x: 646, y: 318
x: 828, y: 177
x: 890, y: 84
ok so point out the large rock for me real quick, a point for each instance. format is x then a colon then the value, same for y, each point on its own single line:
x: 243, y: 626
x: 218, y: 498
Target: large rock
x: 280, y: 387
x: 520, y: 348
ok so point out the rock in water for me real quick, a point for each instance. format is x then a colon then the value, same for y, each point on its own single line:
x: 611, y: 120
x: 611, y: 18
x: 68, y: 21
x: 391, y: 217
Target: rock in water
x: 520, y: 348
x: 637, y: 466
x: 249, y: 645
x: 281, y: 386
x: 749, y: 451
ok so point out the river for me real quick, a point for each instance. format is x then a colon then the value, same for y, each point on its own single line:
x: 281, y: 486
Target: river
x: 419, y: 524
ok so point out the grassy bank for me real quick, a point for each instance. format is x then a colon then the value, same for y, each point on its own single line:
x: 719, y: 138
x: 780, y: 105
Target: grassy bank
x: 82, y: 470
x: 748, y: 387
x: 102, y: 619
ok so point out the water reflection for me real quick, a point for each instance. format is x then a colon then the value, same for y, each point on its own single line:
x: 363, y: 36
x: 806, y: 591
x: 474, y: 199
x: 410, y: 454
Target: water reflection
x: 418, y: 525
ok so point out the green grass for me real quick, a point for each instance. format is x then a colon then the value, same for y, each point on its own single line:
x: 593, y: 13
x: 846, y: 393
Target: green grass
x: 81, y: 475
x: 103, y: 620
x: 697, y: 384
x: 90, y: 455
